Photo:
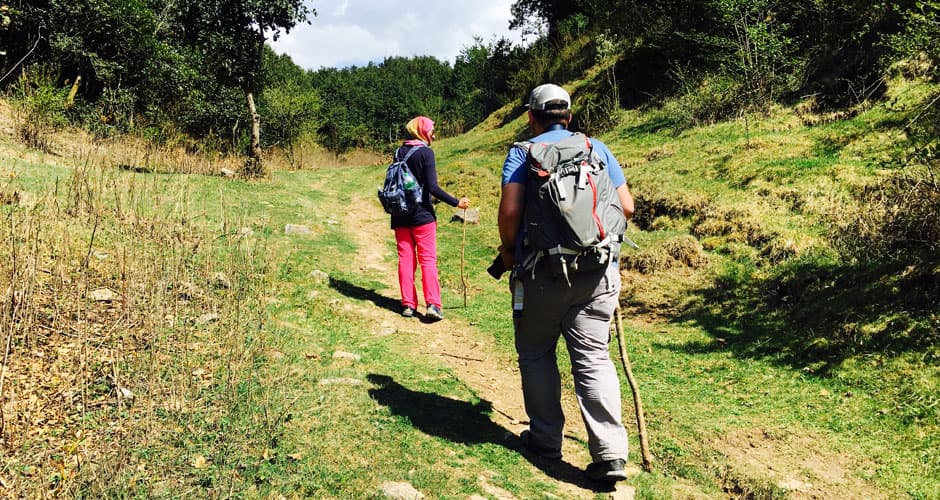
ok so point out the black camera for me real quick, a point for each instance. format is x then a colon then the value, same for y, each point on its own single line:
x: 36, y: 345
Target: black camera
x: 497, y: 268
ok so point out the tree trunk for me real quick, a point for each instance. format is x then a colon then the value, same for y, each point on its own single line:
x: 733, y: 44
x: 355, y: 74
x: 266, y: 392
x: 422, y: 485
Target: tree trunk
x: 70, y: 100
x: 254, y: 166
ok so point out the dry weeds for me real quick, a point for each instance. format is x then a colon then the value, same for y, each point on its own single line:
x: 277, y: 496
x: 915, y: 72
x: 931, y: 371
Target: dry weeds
x: 895, y: 217
x: 680, y: 251
x: 734, y: 225
x: 124, y: 312
x: 651, y: 208
x: 106, y: 283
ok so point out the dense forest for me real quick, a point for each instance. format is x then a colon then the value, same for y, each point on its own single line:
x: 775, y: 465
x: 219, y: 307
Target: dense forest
x: 184, y: 70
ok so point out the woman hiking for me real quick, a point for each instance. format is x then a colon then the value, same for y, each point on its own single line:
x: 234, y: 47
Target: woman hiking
x: 416, y: 233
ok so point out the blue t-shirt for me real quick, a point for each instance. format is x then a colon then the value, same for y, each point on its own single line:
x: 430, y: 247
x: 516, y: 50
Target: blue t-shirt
x: 514, y: 168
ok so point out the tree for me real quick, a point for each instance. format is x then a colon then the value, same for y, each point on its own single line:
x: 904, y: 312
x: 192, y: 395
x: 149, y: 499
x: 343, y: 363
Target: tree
x: 289, y: 104
x: 368, y: 106
x: 480, y: 81
x: 232, y: 34
x: 108, y: 43
x: 527, y: 14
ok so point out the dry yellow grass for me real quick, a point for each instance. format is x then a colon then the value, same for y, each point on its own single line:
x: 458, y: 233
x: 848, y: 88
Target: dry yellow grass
x: 122, y: 314
x: 125, y: 302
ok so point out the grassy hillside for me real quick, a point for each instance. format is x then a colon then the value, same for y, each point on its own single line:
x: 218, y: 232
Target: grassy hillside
x: 749, y: 316
x: 241, y: 357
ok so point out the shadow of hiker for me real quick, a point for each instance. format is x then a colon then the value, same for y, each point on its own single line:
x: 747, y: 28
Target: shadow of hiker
x: 467, y: 423
x: 357, y: 292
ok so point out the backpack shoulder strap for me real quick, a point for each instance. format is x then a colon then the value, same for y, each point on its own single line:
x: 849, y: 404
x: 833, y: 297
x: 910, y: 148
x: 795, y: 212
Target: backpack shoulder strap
x: 526, y: 147
x: 409, y: 153
x: 587, y: 141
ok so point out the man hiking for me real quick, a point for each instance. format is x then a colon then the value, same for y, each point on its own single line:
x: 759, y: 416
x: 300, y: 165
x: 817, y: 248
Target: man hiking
x: 569, y: 287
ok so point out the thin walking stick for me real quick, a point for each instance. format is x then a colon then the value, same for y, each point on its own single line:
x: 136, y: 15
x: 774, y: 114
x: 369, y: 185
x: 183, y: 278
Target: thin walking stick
x: 637, y: 402
x: 463, y: 243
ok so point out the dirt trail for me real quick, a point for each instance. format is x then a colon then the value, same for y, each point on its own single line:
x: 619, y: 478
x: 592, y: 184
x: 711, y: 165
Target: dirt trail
x: 796, y: 465
x: 469, y: 352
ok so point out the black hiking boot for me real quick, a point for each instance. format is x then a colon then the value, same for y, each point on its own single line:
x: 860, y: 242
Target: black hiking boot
x: 543, y: 451
x: 609, y: 471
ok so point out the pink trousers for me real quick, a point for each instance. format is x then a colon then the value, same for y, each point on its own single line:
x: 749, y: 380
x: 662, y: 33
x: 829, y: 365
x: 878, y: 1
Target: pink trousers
x: 418, y: 245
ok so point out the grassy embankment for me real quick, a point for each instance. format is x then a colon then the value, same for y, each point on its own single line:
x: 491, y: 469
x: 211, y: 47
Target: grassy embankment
x: 757, y: 333
x: 768, y: 364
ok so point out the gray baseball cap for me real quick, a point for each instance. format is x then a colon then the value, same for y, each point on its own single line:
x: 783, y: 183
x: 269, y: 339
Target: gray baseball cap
x: 549, y: 96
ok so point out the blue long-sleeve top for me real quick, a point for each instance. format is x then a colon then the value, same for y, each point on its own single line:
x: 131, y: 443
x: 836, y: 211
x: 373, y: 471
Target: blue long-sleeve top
x: 424, y: 168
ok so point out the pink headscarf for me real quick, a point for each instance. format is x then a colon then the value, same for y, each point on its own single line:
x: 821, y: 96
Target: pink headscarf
x: 421, y: 128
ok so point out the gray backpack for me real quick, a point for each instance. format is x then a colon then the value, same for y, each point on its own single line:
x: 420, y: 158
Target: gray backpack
x: 573, y: 216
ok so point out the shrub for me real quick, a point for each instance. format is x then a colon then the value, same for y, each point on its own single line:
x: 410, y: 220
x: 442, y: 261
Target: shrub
x: 40, y: 108
x: 287, y: 113
x: 111, y: 114
x: 895, y: 220
x: 703, y: 101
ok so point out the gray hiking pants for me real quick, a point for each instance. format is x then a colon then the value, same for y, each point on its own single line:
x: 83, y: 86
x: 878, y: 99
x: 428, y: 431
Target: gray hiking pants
x: 582, y: 314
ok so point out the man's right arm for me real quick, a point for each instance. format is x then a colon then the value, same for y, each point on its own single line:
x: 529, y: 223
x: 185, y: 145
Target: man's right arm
x: 617, y: 177
x: 626, y: 201
x: 511, y: 204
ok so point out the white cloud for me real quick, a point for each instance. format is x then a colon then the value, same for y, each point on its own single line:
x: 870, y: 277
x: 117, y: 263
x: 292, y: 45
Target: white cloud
x: 340, y: 10
x: 335, y: 45
x: 355, y: 32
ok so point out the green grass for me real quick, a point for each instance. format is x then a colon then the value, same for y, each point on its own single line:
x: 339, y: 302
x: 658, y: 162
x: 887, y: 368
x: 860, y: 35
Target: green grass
x: 807, y: 354
x: 408, y: 422
x: 811, y: 345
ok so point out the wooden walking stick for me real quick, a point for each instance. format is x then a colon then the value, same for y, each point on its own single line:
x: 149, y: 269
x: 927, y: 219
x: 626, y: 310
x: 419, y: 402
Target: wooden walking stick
x: 637, y: 402
x: 463, y: 243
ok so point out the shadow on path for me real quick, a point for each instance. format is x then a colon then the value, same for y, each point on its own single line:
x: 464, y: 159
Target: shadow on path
x: 467, y: 423
x: 354, y: 291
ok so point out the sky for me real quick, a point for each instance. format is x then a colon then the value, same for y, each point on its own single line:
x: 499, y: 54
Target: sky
x: 354, y: 32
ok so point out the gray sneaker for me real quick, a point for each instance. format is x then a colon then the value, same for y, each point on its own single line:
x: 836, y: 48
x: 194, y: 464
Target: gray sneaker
x: 408, y: 312
x: 434, y: 313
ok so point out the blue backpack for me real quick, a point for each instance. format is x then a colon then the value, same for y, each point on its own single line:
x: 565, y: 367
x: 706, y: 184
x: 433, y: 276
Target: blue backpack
x: 401, y: 193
